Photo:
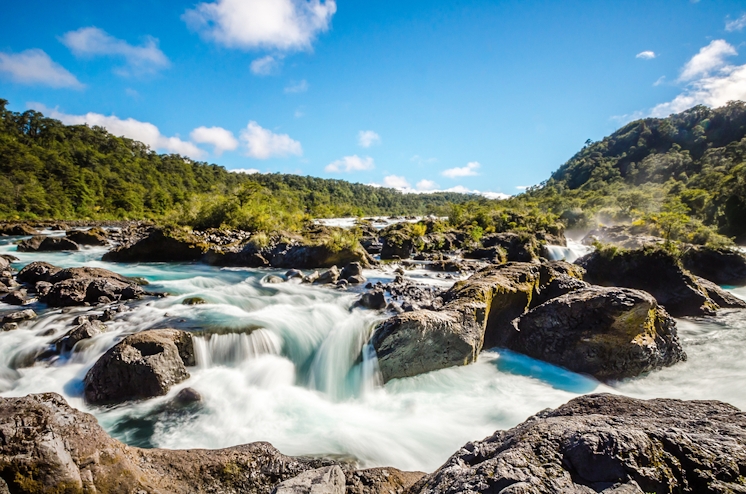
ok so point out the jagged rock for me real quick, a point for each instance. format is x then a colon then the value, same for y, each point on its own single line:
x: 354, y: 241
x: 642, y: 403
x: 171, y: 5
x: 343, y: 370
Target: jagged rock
x: 19, y: 297
x: 40, y: 243
x: 605, y: 443
x: 329, y: 276
x: 519, y: 247
x: 37, y: 271
x: 353, y: 269
x: 85, y: 330
x: 160, y: 245
x: 17, y: 230
x: 721, y: 297
x: 56, y: 448
x: 94, y: 236
x: 4, y: 264
x: 294, y: 273
x: 142, y: 365
x: 609, y: 333
x: 381, y: 481
x: 372, y: 300
x: 721, y: 266
x: 326, y: 480
x: 655, y: 271
x: 22, y: 315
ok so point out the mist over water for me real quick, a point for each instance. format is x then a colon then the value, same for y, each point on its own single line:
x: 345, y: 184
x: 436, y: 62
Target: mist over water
x: 290, y: 364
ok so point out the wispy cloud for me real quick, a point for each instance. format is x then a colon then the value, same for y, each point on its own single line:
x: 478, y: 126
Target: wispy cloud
x: 466, y: 171
x: 89, y: 42
x: 34, y: 67
x: 366, y: 138
x: 220, y: 138
x: 129, y: 127
x: 262, y: 143
x: 736, y: 24
x: 646, y: 55
x: 352, y: 163
x: 299, y: 87
x: 266, y: 65
x: 271, y: 24
x: 710, y: 58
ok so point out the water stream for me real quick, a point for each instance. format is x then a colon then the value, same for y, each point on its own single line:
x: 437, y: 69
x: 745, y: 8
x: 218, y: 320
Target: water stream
x: 290, y: 364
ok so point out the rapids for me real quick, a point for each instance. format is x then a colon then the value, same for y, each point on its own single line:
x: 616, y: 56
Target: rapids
x: 290, y: 364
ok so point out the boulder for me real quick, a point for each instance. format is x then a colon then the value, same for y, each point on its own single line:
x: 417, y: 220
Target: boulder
x: 655, y: 271
x: 94, y: 236
x: 303, y: 256
x: 294, y: 273
x: 608, y: 333
x: 19, y: 297
x: 329, y: 276
x: 605, y: 443
x: 4, y: 264
x: 381, y: 481
x: 142, y: 365
x: 352, y: 269
x: 193, y: 301
x: 721, y: 297
x: 397, y: 248
x: 374, y: 299
x: 624, y: 236
x: 519, y: 247
x: 160, y: 245
x: 273, y: 279
x: 22, y: 315
x: 496, y: 255
x: 56, y: 448
x: 37, y: 271
x: 40, y: 243
x: 721, y: 266
x: 326, y: 480
x: 17, y: 230
x: 91, y: 291
x: 85, y: 330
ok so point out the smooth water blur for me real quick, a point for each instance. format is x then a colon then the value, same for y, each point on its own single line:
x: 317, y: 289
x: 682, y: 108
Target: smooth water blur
x: 571, y: 253
x: 290, y: 364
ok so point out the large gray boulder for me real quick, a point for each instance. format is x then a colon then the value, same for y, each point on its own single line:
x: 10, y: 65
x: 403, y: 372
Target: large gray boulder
x: 609, y: 333
x: 605, y: 443
x: 142, y: 365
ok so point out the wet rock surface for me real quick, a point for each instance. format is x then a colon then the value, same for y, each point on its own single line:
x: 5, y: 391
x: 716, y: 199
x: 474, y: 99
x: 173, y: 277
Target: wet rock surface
x: 605, y: 443
x: 40, y: 243
x: 94, y: 236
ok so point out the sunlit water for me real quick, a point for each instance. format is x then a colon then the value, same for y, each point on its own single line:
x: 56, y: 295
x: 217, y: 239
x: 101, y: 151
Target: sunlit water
x: 290, y: 364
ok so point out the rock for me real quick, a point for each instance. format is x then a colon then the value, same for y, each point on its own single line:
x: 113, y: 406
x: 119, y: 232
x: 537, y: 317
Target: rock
x: 19, y: 297
x: 381, y: 481
x: 352, y: 269
x: 605, y: 443
x: 41, y: 243
x: 4, y: 264
x: 160, y: 245
x: 188, y: 396
x: 299, y: 255
x: 272, y: 279
x: 193, y: 301
x: 43, y: 288
x: 326, y: 480
x: 17, y: 230
x: 55, y: 448
x: 311, y: 278
x: 608, y: 333
x: 395, y: 248
x: 372, y: 300
x: 720, y: 266
x: 294, y: 273
x: 722, y: 298
x: 22, y: 315
x: 10, y: 326
x: 356, y: 280
x: 624, y: 236
x: 328, y: 277
x: 94, y: 236
x: 655, y: 271
x: 93, y: 291
x: 37, y: 271
x: 519, y: 247
x: 142, y: 365
x: 85, y: 330
x: 341, y: 284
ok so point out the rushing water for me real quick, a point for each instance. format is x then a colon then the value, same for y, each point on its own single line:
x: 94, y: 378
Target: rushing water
x: 290, y: 364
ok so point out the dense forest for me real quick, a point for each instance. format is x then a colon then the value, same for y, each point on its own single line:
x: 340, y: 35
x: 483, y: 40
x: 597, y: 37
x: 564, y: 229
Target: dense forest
x: 684, y: 176
x: 51, y: 170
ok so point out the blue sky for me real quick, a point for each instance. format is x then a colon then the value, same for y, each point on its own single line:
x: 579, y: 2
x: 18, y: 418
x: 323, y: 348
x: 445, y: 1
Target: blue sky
x: 477, y: 95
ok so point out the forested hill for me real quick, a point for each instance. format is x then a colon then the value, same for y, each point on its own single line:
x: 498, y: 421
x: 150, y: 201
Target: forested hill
x: 52, y: 170
x: 694, y: 162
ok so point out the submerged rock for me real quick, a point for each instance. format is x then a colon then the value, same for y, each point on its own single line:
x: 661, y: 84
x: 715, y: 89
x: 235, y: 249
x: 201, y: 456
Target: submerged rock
x: 40, y: 243
x: 605, y: 443
x: 609, y: 333
x: 142, y: 365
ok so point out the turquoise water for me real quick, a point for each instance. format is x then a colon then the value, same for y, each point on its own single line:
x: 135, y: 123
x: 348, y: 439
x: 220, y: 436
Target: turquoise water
x: 290, y: 364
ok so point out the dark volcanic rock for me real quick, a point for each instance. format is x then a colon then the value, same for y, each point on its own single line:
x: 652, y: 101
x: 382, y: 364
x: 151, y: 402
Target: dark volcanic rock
x: 94, y: 236
x: 37, y: 271
x: 18, y: 230
x: 519, y: 247
x: 85, y: 330
x: 41, y: 243
x: 721, y: 266
x: 374, y: 299
x: 19, y: 297
x: 654, y: 271
x: 142, y: 365
x: 609, y: 333
x: 605, y: 443
x: 160, y: 245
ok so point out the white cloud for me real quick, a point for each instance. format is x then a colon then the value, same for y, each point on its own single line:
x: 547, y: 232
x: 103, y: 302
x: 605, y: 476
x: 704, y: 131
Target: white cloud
x: 352, y: 163
x: 220, y: 138
x: 426, y: 185
x: 366, y: 138
x: 89, y: 42
x: 134, y: 129
x: 395, y: 182
x: 35, y: 67
x: 266, y: 65
x: 710, y: 58
x: 300, y: 87
x: 262, y: 143
x: 522, y: 187
x: 660, y: 81
x: 715, y: 84
x: 247, y: 171
x: 737, y: 24
x: 273, y: 24
x: 646, y: 55
x: 467, y: 171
